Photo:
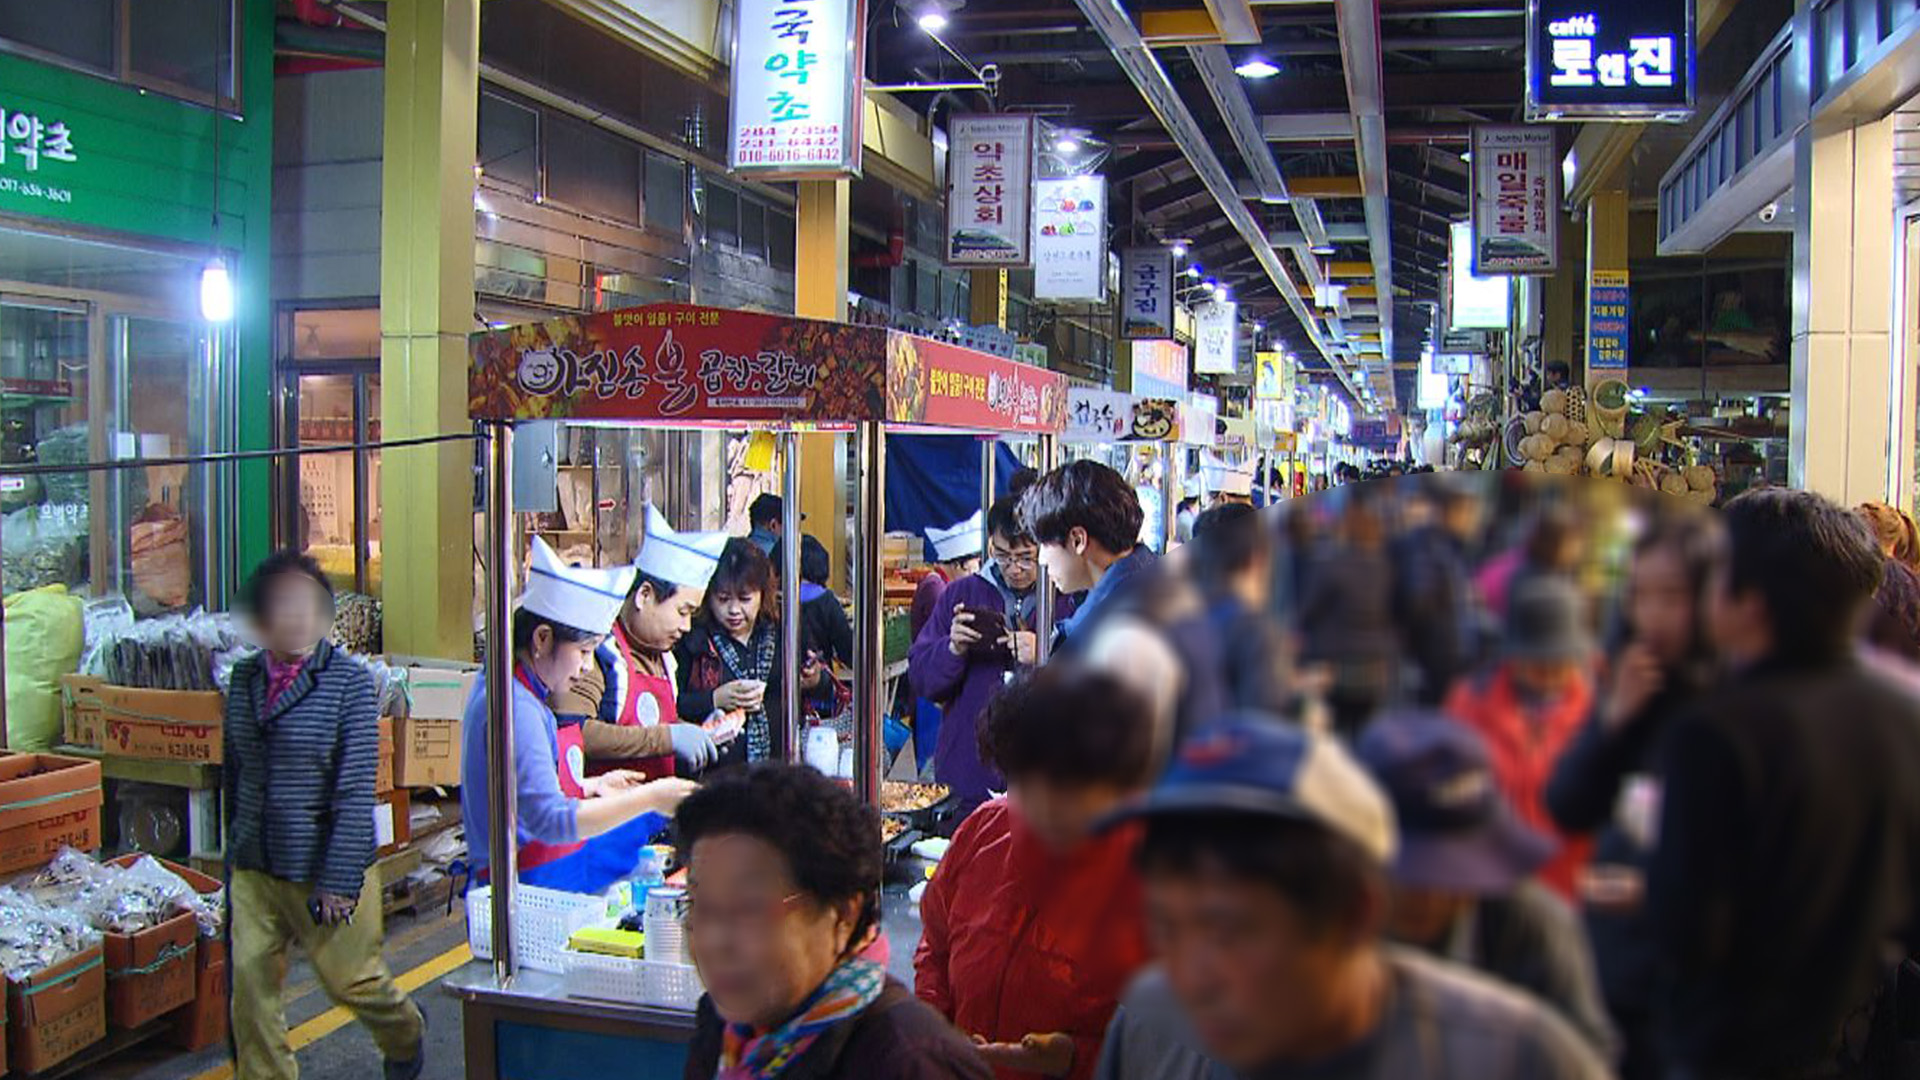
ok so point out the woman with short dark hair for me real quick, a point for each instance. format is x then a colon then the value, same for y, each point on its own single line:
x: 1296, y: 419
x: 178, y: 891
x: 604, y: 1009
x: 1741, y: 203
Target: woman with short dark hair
x: 1031, y: 927
x: 783, y: 891
x: 302, y: 745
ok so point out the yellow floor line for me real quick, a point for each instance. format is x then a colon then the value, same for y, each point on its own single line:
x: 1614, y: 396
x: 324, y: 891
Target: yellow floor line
x: 337, y: 1017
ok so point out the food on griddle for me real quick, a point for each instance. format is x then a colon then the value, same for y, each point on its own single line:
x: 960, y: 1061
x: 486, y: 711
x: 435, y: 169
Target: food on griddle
x: 890, y: 828
x: 899, y: 798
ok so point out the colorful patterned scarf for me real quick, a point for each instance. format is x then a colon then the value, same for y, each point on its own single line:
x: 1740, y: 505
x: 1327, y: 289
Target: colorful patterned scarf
x: 846, y: 993
x: 754, y: 660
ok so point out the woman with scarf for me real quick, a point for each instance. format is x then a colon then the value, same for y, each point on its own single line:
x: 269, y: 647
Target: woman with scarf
x: 783, y: 894
x: 730, y: 662
x: 980, y: 633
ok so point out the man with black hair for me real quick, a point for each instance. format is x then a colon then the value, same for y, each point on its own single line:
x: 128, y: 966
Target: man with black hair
x: 1784, y: 881
x: 1231, y: 560
x: 1264, y: 863
x: 625, y: 699
x: 979, y: 634
x: 766, y: 518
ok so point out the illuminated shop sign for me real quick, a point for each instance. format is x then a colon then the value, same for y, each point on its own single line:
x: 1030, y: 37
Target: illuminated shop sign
x: 1610, y: 58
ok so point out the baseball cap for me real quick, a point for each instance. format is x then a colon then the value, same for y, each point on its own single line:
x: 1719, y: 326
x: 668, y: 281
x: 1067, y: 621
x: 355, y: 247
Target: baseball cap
x: 1456, y: 831
x: 1248, y: 763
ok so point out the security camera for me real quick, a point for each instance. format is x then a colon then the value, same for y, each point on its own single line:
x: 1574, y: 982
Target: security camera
x: 1769, y: 212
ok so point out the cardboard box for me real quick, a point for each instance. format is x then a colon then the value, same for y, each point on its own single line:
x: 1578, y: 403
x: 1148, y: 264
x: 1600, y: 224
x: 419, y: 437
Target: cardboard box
x: 383, y: 772
x: 167, y: 725
x: 58, y: 1012
x: 427, y: 739
x: 152, y: 973
x: 203, y: 1024
x: 392, y: 827
x: 47, y: 802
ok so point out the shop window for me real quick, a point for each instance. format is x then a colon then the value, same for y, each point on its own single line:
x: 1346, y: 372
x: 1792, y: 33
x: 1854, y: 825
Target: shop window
x: 780, y: 240
x: 182, y: 48
x: 590, y: 170
x: 666, y: 194
x: 753, y: 228
x: 723, y: 215
x: 80, y: 31
x: 183, y: 43
x: 509, y: 142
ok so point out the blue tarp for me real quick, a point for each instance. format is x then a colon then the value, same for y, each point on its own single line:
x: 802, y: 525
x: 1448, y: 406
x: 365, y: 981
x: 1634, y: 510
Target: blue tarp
x: 934, y: 480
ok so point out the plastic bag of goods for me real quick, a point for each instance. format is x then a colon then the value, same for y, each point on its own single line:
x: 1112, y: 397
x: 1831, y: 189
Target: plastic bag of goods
x: 44, y: 631
x: 43, y: 545
x: 162, y: 557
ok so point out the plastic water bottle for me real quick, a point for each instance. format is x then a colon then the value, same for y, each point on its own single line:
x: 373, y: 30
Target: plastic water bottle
x: 649, y: 873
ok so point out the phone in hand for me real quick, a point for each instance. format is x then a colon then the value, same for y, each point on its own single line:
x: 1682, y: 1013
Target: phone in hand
x: 991, y: 625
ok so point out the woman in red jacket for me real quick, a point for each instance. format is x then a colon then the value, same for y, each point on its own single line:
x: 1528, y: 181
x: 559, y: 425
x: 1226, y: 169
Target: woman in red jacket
x: 1032, y: 927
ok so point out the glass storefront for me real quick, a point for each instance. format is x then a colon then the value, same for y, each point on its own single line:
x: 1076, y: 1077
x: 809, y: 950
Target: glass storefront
x: 104, y: 356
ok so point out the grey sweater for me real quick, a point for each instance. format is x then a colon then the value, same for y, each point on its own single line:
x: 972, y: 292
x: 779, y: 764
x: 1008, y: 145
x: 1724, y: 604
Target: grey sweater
x: 1442, y: 1023
x: 299, y: 774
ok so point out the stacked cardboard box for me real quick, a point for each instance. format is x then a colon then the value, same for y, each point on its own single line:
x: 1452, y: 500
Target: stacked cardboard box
x: 47, y: 802
x: 57, y: 1012
x: 161, y: 725
x: 427, y: 738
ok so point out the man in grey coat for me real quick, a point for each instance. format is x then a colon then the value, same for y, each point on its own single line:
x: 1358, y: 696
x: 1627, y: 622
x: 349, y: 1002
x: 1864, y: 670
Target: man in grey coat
x: 1264, y: 863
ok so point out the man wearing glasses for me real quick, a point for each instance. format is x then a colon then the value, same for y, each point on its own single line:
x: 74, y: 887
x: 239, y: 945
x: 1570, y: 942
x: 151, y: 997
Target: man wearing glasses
x: 980, y: 633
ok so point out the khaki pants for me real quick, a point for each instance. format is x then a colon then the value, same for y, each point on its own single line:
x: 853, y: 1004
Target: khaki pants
x: 268, y: 915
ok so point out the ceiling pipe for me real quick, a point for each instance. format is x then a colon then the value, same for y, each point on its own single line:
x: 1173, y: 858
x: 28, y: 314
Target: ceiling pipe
x: 1116, y: 28
x: 1359, y: 23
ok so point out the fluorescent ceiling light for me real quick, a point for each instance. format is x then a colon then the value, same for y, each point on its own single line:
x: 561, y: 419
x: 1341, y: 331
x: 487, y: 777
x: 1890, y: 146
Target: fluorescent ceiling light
x: 1067, y: 145
x: 932, y: 21
x: 1255, y: 67
x: 1179, y: 251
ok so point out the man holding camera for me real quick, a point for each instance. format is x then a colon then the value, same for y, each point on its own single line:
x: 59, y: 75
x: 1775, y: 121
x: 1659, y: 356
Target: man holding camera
x: 981, y: 631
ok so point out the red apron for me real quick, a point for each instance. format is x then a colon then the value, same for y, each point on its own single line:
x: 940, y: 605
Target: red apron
x: 649, y: 702
x: 570, y: 755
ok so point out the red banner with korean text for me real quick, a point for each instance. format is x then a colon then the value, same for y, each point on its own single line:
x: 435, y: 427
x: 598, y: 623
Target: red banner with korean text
x: 679, y: 363
x: 932, y: 382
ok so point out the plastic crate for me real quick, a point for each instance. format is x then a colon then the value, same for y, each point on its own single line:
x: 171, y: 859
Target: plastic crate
x: 543, y: 920
x: 631, y: 982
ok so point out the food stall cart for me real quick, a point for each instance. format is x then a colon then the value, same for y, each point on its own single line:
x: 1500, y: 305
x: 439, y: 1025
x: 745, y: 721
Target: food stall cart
x: 535, y: 1010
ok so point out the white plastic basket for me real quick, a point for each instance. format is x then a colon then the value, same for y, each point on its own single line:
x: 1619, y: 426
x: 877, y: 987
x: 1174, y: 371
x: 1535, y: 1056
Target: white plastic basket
x: 631, y: 982
x: 543, y: 920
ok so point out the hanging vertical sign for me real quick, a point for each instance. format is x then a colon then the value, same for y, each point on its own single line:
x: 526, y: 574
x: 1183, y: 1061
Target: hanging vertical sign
x: 798, y: 97
x: 1159, y: 369
x: 1606, y: 322
x: 1146, y: 293
x: 1269, y: 376
x: 1214, y: 331
x: 1516, y: 201
x: 989, y: 190
x: 1070, y: 238
x: 1629, y: 59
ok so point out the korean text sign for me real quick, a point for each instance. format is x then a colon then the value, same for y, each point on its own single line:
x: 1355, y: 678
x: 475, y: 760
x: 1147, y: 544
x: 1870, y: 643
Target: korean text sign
x: 1610, y: 58
x: 797, y: 96
x: 1070, y: 238
x: 1098, y: 416
x: 933, y: 382
x: 1159, y: 369
x: 1216, y: 338
x: 678, y: 362
x: 1607, y: 321
x: 1146, y: 293
x: 1516, y: 201
x: 990, y: 190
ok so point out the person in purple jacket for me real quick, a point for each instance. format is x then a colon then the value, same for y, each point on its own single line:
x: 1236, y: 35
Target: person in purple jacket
x: 980, y: 633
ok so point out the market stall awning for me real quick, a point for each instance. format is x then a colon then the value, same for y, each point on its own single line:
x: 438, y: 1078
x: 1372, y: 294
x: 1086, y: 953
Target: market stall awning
x: 683, y: 364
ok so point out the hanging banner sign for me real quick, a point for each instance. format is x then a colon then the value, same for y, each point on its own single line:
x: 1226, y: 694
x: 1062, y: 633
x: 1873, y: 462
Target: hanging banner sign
x: 1516, y: 201
x: 1270, y: 376
x: 1156, y: 420
x: 681, y: 363
x: 1159, y: 369
x: 1146, y: 293
x: 1098, y: 416
x: 1215, y: 328
x: 798, y: 97
x: 1606, y: 321
x: 990, y: 190
x: 1198, y: 422
x: 1624, y: 59
x: 1070, y: 238
x: 932, y: 382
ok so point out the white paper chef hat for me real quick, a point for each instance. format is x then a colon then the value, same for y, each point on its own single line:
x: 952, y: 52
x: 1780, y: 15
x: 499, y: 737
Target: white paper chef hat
x: 1229, y: 479
x: 683, y: 558
x: 957, y: 541
x: 582, y: 597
